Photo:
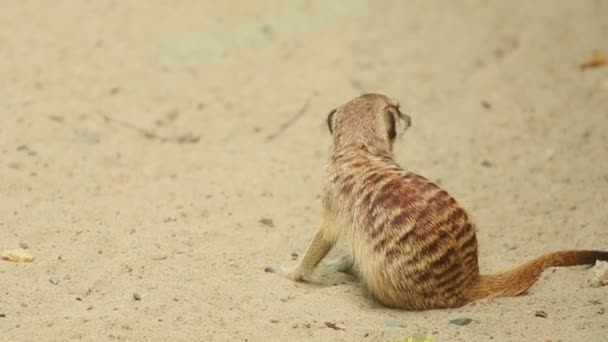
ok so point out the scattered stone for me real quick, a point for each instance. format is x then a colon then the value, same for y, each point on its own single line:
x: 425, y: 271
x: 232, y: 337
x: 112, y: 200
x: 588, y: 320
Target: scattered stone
x: 510, y: 246
x: 2, y: 315
x: 600, y: 274
x: 461, y: 321
x: 294, y: 256
x: 274, y: 321
x: 267, y: 30
x: 54, y: 279
x: 333, y: 326
x: 540, y: 314
x: 287, y: 299
x: 267, y: 222
x: 394, y: 323
x: 188, y: 139
x: 485, y: 104
x: 486, y: 163
x: 90, y: 307
x: 159, y: 257
x: 23, y: 245
x: 56, y: 118
x: 601, y: 311
x: 91, y: 138
x: 136, y: 296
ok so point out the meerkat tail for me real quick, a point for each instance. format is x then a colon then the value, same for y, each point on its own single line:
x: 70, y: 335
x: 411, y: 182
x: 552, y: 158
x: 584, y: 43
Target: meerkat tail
x: 520, y: 278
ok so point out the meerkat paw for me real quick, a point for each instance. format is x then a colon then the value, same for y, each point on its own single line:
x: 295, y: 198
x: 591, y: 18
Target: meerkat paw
x: 294, y: 274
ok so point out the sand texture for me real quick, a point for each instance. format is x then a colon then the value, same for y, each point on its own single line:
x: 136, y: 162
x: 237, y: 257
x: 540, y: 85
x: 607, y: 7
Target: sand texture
x: 155, y: 156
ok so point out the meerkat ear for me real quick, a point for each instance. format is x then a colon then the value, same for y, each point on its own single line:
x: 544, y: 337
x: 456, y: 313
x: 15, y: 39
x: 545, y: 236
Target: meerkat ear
x: 330, y: 121
x: 391, y: 125
x: 400, y: 122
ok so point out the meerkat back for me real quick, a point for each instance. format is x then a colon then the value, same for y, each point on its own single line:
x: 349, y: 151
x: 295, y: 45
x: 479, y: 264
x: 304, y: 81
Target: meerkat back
x: 413, y: 246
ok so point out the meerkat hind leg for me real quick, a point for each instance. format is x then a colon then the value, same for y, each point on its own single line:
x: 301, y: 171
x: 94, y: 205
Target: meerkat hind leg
x: 343, y: 264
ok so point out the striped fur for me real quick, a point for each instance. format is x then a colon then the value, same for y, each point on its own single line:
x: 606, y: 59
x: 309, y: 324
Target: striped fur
x: 413, y: 246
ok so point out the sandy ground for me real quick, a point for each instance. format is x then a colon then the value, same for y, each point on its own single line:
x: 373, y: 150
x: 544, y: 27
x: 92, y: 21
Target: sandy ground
x: 139, y: 152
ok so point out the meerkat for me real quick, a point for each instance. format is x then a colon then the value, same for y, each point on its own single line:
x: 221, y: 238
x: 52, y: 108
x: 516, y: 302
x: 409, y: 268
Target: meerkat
x: 411, y: 244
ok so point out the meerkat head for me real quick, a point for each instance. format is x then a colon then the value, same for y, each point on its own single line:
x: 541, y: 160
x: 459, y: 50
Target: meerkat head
x: 371, y: 119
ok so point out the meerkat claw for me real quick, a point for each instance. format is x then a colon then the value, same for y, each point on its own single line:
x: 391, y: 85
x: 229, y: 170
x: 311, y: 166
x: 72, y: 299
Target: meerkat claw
x: 274, y: 270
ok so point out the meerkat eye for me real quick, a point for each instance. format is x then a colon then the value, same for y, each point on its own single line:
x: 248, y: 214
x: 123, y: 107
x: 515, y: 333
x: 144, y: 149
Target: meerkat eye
x: 330, y: 123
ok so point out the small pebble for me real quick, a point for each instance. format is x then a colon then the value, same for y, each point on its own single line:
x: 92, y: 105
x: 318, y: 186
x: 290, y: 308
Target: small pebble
x: 274, y: 321
x: 461, y: 321
x: 91, y: 138
x: 159, y: 257
x: 486, y: 163
x: 2, y: 315
x: 541, y: 314
x: 294, y: 256
x: 394, y: 323
x: 267, y: 222
x: 23, y: 245
x: 54, y: 280
x: 136, y: 296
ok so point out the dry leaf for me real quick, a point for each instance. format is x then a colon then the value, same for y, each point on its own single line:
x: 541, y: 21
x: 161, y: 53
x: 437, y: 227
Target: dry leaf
x: 596, y: 60
x: 17, y: 255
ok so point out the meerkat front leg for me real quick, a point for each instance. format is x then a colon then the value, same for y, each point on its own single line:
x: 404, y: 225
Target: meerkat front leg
x: 318, y: 248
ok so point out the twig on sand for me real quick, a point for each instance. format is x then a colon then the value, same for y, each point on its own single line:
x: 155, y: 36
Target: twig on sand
x: 291, y: 121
